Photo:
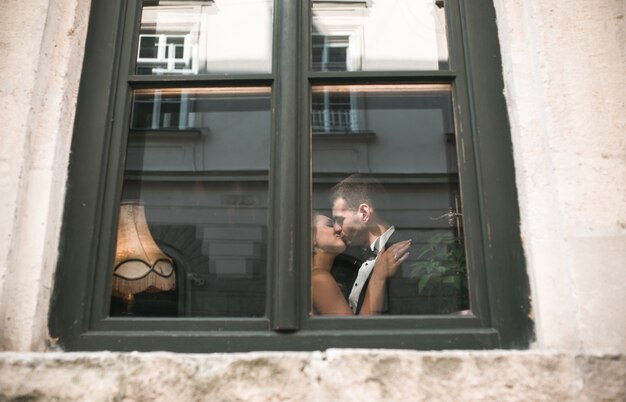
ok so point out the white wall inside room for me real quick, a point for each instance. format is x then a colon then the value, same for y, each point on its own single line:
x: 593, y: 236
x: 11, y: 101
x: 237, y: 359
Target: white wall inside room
x: 563, y: 64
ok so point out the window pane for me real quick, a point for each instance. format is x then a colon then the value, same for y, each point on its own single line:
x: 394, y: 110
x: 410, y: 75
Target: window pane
x: 395, y: 147
x: 379, y: 35
x: 205, y: 36
x: 195, y: 198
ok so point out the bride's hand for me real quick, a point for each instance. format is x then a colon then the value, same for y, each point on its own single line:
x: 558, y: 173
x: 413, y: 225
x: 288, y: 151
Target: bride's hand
x: 390, y: 259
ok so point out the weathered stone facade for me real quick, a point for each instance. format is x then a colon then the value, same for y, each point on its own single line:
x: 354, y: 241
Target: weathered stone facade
x: 355, y: 375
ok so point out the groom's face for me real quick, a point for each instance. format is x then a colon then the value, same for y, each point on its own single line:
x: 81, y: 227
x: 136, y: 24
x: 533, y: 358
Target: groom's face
x: 350, y: 222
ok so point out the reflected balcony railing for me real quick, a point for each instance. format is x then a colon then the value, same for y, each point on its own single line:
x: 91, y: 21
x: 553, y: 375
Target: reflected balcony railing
x: 334, y: 121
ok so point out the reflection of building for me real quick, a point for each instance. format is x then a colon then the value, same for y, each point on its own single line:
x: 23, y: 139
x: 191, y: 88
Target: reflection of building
x: 201, y: 36
x: 193, y: 144
x: 187, y: 37
x: 198, y: 158
x: 347, y: 37
x: 370, y: 35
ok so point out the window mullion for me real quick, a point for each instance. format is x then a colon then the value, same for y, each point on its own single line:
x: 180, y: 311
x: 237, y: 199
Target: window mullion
x: 284, y: 221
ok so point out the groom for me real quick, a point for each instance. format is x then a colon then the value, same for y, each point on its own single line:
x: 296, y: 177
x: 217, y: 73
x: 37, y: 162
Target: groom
x: 354, y: 206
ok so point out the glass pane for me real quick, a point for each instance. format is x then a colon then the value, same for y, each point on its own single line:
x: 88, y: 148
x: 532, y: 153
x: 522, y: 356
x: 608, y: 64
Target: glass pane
x: 193, y: 220
x: 384, y: 156
x: 378, y: 35
x: 205, y: 36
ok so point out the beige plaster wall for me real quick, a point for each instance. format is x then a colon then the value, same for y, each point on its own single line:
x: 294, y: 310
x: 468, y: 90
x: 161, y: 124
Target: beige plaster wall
x: 564, y: 66
x: 42, y: 48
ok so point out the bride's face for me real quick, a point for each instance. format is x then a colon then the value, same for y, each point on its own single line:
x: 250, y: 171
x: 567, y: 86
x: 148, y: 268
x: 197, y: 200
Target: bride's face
x: 326, y: 237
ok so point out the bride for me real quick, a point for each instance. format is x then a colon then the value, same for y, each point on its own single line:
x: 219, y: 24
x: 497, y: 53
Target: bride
x: 327, y: 297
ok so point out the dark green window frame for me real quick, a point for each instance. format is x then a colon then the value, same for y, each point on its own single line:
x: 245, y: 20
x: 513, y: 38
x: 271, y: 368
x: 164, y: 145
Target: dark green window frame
x: 499, y: 289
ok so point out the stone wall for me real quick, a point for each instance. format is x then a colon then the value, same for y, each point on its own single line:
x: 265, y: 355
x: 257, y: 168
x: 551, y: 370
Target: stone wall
x: 334, y: 375
x: 42, y: 47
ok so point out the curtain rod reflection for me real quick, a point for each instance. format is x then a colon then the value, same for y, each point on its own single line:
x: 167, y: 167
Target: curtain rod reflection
x: 202, y: 91
x: 315, y: 89
x: 382, y: 88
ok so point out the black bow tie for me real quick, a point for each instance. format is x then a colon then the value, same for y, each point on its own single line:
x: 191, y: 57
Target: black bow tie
x: 368, y: 254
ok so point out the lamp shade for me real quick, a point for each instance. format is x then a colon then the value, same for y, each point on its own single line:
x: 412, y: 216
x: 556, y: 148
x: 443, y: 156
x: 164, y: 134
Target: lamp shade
x: 140, y: 265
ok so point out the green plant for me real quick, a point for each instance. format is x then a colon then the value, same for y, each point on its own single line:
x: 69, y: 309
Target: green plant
x: 441, y: 264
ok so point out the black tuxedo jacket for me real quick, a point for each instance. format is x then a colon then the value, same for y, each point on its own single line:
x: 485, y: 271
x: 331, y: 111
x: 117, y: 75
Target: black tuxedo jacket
x: 346, y: 267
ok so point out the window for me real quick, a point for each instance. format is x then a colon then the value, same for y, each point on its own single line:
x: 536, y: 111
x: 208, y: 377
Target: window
x: 209, y: 133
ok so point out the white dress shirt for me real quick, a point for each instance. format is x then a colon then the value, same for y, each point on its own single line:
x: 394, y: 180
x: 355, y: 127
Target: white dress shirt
x: 366, y: 269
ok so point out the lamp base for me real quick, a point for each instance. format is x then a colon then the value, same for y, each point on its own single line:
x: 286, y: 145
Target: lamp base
x: 146, y: 304
x: 129, y: 302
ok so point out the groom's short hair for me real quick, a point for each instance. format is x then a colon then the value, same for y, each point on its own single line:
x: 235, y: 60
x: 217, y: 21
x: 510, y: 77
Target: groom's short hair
x: 356, y: 190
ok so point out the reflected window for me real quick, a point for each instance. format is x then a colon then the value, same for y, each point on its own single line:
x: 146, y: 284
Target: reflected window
x: 330, y: 53
x: 205, y: 37
x: 160, y: 54
x: 378, y: 35
x: 335, y: 113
